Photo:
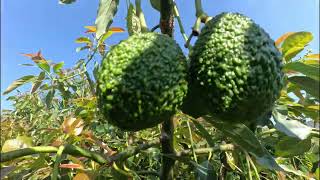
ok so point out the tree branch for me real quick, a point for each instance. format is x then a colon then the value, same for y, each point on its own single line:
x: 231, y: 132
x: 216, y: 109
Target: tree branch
x: 201, y: 151
x: 167, y: 136
x: 166, y: 17
x: 77, y: 151
x: 167, y: 132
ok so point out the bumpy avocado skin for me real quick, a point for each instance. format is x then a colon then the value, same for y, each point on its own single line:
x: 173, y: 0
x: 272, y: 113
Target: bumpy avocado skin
x: 235, y: 68
x: 142, y: 81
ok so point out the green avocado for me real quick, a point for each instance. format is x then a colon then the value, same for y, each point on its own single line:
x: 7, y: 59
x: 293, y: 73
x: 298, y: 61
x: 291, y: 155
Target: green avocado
x: 142, y: 81
x: 235, y: 70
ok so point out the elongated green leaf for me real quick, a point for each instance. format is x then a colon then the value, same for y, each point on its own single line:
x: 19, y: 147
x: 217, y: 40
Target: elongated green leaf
x: 57, y: 67
x: 282, y: 38
x: 18, y: 82
x: 204, y: 133
x: 78, y: 49
x: 106, y: 11
x: 311, y: 86
x: 111, y: 31
x: 38, y: 82
x: 289, y: 146
x: 291, y: 127
x: 44, y: 66
x: 313, y: 56
x: 291, y: 53
x: 312, y: 62
x: 295, y: 43
x: 293, y: 170
x: 205, y: 171
x: 18, y: 143
x: 64, y: 90
x: 245, y: 138
x: 66, y: 1
x: 308, y: 70
x: 4, y: 171
x: 155, y: 4
x: 26, y: 64
x: 96, y: 70
x: 39, y: 163
x: 83, y: 40
x: 49, y: 97
x: 26, y: 140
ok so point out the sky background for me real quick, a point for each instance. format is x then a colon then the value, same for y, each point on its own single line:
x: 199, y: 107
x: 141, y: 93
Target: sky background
x: 30, y: 25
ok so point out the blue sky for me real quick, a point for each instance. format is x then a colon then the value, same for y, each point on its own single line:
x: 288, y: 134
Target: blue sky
x: 30, y: 25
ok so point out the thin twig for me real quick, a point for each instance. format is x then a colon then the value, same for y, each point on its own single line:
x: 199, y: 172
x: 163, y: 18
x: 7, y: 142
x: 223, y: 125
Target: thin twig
x: 155, y: 28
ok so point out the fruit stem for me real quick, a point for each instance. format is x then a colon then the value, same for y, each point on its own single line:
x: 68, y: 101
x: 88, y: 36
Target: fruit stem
x: 177, y: 16
x: 196, y: 27
x: 200, y: 13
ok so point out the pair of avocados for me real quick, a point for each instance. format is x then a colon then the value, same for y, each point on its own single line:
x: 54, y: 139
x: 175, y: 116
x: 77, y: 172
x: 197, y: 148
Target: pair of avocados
x: 234, y: 73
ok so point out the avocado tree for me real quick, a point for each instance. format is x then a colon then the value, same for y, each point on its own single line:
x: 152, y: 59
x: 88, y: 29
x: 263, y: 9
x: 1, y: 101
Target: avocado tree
x: 238, y: 105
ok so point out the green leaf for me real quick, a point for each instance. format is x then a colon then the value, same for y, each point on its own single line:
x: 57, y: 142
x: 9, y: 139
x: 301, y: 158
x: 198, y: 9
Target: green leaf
x: 96, y: 70
x: 295, y: 43
x: 39, y: 163
x: 78, y: 49
x: 111, y: 31
x: 26, y: 140
x: 133, y: 22
x: 38, y: 82
x: 64, y: 90
x: 105, y: 36
x: 291, y: 53
x: 57, y: 67
x: 49, y: 97
x: 5, y: 171
x: 44, y: 66
x: 244, y: 137
x: 205, y: 171
x: 290, y: 127
x: 311, y: 86
x: 289, y: 147
x: 155, y: 4
x: 204, y: 133
x: 308, y: 70
x: 66, y: 1
x: 291, y: 169
x: 311, y: 62
x: 15, y: 144
x: 317, y: 173
x: 106, y: 11
x: 26, y: 64
x: 18, y: 82
x: 45, y: 87
x: 83, y: 40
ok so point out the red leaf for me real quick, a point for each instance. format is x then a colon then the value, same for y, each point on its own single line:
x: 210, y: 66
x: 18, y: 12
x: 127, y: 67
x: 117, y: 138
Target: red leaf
x: 36, y: 57
x: 116, y: 29
x: 71, y: 166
